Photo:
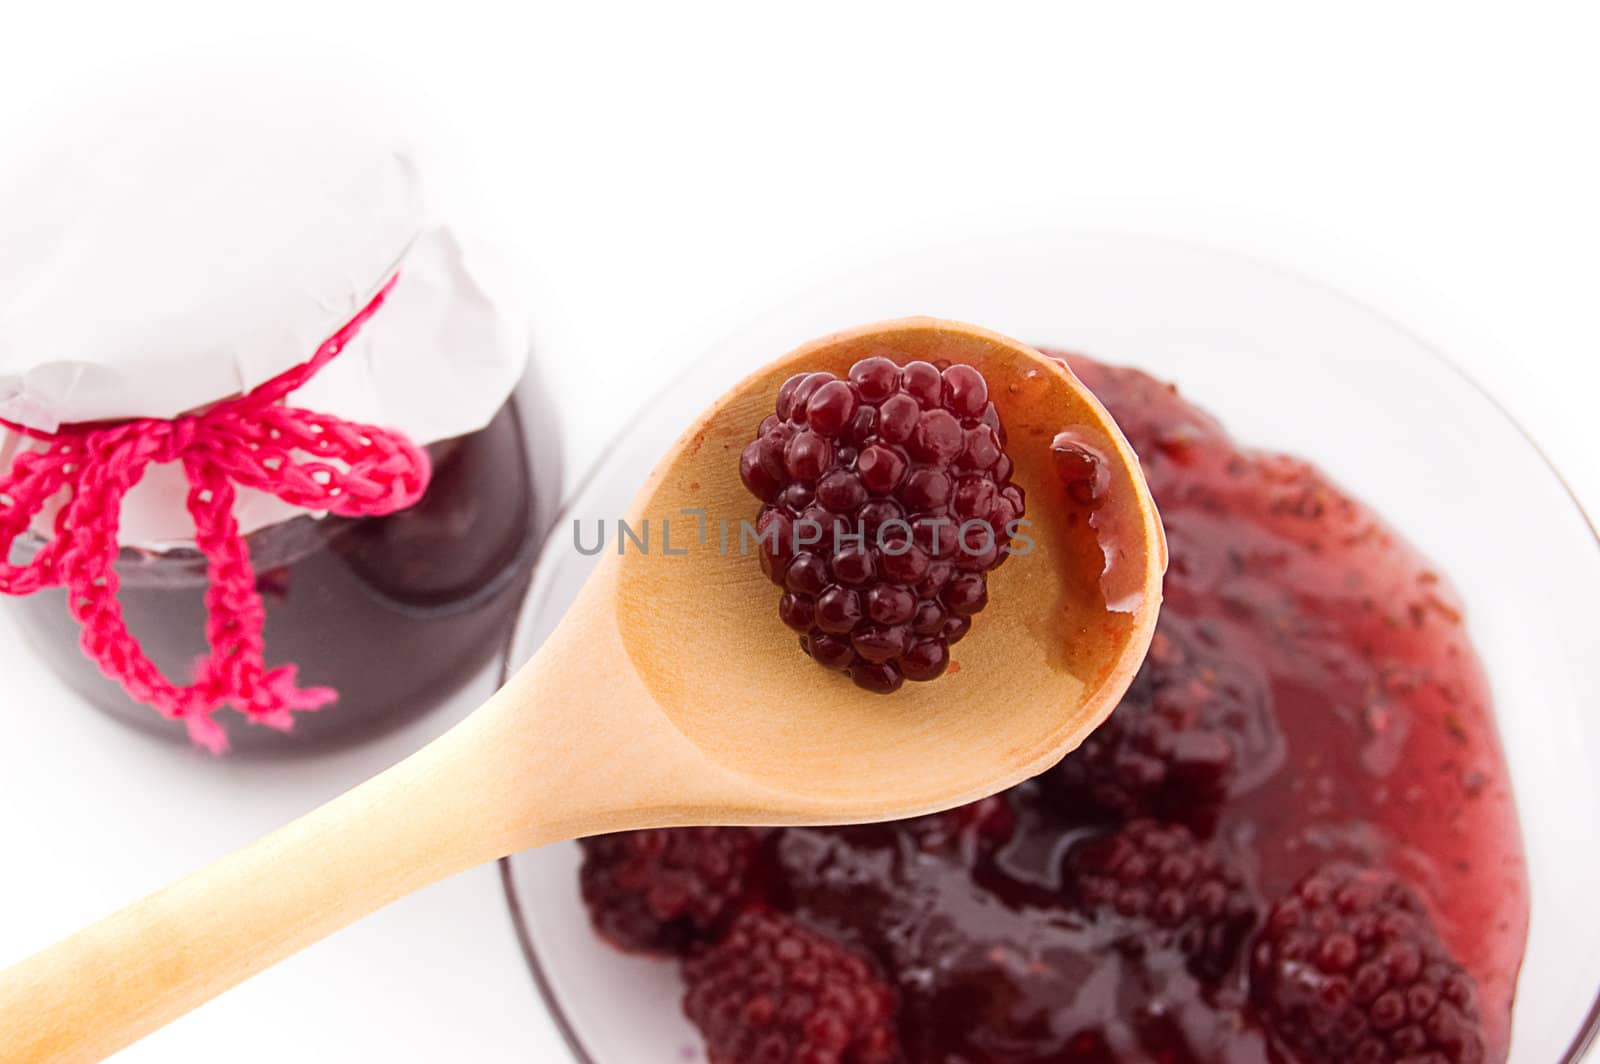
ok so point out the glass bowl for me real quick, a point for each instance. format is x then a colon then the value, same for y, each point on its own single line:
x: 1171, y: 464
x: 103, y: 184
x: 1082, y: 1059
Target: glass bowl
x: 1285, y: 364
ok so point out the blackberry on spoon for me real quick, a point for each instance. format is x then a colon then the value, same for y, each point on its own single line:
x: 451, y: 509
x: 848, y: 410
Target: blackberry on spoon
x: 887, y: 499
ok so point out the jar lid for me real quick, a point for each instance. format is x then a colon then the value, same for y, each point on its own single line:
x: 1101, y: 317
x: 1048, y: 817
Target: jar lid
x: 184, y: 252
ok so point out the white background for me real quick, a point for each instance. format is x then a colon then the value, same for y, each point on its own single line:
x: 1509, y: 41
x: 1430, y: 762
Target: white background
x: 670, y: 171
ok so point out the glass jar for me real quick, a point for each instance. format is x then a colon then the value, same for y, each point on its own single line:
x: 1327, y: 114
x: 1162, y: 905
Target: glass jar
x: 394, y: 612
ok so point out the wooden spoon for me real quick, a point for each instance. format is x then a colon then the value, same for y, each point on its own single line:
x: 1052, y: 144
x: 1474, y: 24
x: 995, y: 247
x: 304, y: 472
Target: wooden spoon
x: 670, y: 694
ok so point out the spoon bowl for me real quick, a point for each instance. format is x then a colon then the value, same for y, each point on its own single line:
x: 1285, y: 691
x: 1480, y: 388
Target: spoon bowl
x: 671, y: 694
x: 1043, y: 665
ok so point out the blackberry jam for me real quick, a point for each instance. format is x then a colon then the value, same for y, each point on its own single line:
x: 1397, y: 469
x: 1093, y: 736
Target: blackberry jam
x: 1293, y: 842
x: 395, y: 612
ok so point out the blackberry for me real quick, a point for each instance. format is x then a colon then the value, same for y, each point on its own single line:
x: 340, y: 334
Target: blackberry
x: 886, y: 499
x: 1348, y: 970
x: 1175, y: 891
x: 975, y: 828
x: 664, y: 890
x: 776, y: 992
x: 1195, y: 725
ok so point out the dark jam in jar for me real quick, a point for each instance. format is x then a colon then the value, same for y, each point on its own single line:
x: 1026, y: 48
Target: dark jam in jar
x: 1294, y: 841
x: 393, y: 612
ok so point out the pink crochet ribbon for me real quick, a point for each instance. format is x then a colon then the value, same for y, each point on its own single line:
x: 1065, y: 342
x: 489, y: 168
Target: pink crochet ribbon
x: 307, y: 459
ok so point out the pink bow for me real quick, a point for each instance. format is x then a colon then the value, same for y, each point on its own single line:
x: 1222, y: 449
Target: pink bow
x: 255, y: 441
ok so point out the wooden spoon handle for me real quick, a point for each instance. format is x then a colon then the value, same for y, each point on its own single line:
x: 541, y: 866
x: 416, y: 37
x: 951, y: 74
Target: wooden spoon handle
x: 571, y: 746
x: 112, y: 983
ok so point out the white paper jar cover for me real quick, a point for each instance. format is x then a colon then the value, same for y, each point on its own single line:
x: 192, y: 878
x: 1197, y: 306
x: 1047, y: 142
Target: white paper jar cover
x: 179, y: 255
